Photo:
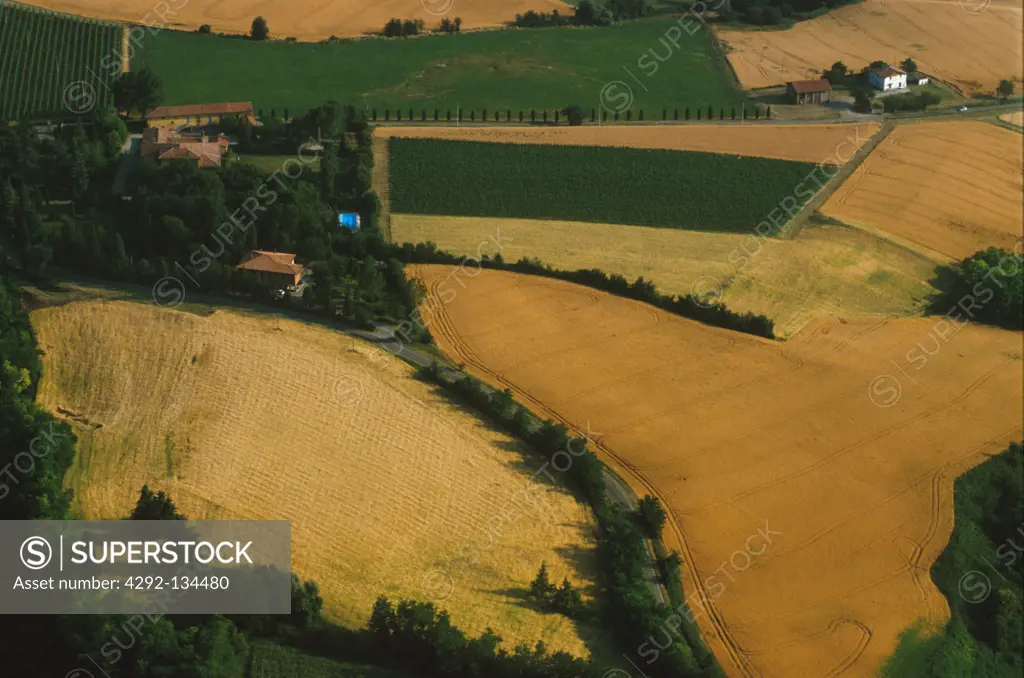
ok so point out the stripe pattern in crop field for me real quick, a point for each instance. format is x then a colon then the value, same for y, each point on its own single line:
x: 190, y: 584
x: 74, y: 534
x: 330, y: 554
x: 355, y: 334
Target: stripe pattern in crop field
x: 674, y: 189
x: 55, y: 65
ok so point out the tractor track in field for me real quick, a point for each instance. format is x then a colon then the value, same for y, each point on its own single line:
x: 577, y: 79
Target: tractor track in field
x: 733, y: 651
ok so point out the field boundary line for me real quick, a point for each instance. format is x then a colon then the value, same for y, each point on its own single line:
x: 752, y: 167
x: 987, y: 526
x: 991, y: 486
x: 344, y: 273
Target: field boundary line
x: 380, y: 181
x: 719, y: 629
x: 793, y: 228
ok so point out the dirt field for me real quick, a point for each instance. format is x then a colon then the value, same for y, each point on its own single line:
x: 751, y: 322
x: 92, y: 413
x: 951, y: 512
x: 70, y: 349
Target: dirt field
x: 951, y: 187
x: 390, y: 489
x: 971, y: 44
x: 302, y: 19
x: 827, y: 271
x: 738, y: 434
x: 810, y: 143
x: 1014, y: 118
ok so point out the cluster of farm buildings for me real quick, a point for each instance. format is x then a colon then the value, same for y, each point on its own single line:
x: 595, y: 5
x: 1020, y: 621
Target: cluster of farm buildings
x: 883, y: 78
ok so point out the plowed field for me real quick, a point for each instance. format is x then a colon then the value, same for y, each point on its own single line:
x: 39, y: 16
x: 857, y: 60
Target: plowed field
x: 972, y: 44
x: 390, y: 490
x: 951, y: 187
x: 810, y: 143
x: 843, y: 442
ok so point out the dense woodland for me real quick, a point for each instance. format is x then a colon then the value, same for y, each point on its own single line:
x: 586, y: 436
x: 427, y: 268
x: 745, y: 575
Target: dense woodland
x: 986, y: 287
x: 775, y: 12
x: 63, y: 203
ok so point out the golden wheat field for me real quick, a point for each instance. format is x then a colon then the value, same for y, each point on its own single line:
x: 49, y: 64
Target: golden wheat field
x: 738, y: 434
x: 971, y: 44
x: 1014, y: 118
x: 953, y: 188
x: 810, y: 143
x: 827, y: 271
x: 301, y: 19
x: 390, y: 489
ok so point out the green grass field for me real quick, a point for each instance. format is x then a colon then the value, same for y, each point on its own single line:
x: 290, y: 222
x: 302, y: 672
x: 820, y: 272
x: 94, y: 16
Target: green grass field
x: 507, y: 69
x: 675, y: 189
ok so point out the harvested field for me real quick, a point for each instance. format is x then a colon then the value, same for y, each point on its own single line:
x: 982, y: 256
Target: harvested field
x: 808, y: 143
x: 302, y: 20
x: 972, y: 50
x: 951, y: 187
x: 1014, y: 118
x: 390, y: 489
x: 738, y: 434
x: 827, y: 271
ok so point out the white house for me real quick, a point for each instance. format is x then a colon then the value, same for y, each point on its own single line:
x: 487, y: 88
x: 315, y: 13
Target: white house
x: 887, y: 78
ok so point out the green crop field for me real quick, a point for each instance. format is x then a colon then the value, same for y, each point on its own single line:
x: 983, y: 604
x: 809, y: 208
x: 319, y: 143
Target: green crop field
x: 505, y: 69
x: 54, y: 65
x: 676, y: 189
x: 275, y: 661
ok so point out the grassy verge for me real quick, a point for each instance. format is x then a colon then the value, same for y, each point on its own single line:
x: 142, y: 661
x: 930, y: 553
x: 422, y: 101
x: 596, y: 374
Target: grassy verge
x: 517, y: 69
x: 675, y: 189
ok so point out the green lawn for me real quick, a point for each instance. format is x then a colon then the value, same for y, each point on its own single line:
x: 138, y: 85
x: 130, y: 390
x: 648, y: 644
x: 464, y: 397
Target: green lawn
x: 674, y: 189
x: 496, y: 70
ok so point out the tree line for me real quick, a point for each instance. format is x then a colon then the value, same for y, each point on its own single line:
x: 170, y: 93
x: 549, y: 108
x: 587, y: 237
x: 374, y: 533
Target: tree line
x: 572, y: 114
x: 631, y: 611
x: 688, y: 306
x: 775, y: 12
x: 585, y: 13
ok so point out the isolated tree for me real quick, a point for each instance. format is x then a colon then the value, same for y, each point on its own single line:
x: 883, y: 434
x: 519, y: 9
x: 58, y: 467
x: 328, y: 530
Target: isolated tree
x: 457, y: 24
x: 155, y: 506
x: 1005, y: 88
x: 652, y: 516
x: 205, y: 29
x: 877, y: 64
x: 909, y: 65
x: 260, y: 30
x: 541, y: 587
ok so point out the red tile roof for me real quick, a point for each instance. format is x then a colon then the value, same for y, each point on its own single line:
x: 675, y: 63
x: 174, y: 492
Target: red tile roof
x: 243, y: 107
x: 271, y: 262
x: 810, y: 86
